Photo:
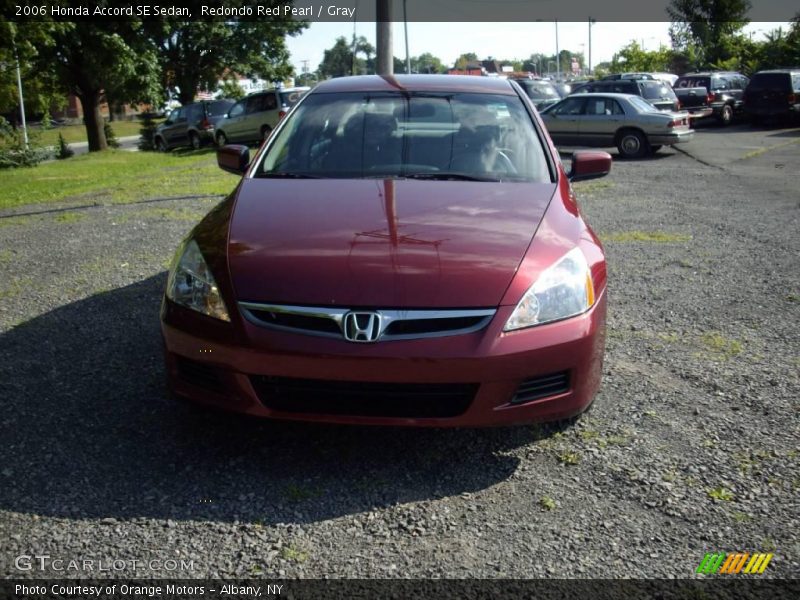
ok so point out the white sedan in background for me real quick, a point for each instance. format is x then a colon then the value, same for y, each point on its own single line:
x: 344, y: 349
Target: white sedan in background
x: 626, y: 121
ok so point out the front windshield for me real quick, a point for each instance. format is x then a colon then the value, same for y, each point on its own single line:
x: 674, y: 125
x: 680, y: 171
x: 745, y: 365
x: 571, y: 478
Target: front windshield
x: 484, y: 137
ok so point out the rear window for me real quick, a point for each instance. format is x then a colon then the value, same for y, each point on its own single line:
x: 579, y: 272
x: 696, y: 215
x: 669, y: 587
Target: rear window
x: 692, y: 82
x: 770, y: 81
x: 219, y: 107
x: 431, y: 136
x: 654, y: 90
x: 539, y: 91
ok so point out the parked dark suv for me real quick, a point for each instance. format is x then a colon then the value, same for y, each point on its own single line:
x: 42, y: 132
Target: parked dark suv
x: 773, y: 93
x: 657, y: 93
x: 191, y: 125
x: 718, y: 94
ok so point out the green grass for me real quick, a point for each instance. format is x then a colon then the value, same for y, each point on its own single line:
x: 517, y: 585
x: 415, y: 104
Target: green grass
x: 77, y: 133
x: 657, y: 237
x: 116, y: 176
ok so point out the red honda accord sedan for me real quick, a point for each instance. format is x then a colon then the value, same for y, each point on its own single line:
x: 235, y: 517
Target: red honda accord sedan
x: 401, y: 251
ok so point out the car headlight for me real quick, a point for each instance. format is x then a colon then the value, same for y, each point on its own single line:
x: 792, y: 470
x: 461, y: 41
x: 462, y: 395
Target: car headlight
x: 192, y: 285
x: 563, y: 290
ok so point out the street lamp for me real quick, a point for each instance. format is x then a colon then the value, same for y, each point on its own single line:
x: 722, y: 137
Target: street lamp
x: 558, y: 58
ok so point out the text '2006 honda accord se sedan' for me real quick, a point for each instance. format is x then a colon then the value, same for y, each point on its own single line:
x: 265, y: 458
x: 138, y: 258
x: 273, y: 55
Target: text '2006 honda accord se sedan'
x: 401, y: 251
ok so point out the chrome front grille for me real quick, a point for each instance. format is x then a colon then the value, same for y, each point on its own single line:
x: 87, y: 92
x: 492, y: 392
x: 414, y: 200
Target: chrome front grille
x: 391, y: 324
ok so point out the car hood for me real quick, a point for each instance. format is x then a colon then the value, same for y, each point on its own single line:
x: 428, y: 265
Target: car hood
x: 381, y: 243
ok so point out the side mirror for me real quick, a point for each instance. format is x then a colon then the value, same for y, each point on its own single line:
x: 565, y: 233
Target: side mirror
x: 235, y: 158
x: 589, y: 164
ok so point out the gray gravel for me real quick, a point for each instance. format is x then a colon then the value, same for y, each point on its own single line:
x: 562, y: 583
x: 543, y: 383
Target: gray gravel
x: 692, y: 446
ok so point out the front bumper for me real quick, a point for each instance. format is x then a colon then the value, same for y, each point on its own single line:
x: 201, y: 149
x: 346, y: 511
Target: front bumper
x: 490, y: 365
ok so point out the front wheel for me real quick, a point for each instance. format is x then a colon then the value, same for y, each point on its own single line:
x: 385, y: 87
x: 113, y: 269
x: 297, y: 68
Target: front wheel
x: 160, y: 144
x: 222, y: 139
x: 194, y: 141
x: 632, y: 144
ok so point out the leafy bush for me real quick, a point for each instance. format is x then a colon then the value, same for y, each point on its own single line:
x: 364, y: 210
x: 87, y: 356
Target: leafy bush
x: 111, y: 138
x: 63, y: 151
x: 13, y: 151
x: 147, y: 132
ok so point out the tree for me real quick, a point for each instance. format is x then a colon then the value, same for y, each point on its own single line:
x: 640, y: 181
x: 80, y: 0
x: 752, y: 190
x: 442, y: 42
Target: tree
x: 41, y: 89
x: 427, y: 63
x: 90, y: 59
x: 197, y: 54
x: 466, y: 58
x: 706, y: 30
x: 633, y: 58
x: 337, y: 61
x: 230, y: 88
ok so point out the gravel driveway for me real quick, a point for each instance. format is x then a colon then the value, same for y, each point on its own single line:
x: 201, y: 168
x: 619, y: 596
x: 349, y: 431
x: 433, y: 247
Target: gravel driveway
x: 692, y: 446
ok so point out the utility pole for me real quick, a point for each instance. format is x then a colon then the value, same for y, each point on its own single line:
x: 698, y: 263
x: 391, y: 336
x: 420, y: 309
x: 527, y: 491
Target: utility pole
x: 383, y: 35
x: 21, y: 99
x: 405, y: 27
x: 558, y: 58
x: 591, y: 22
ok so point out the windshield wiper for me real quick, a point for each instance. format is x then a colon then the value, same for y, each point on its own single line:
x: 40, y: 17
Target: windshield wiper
x: 288, y: 175
x: 448, y: 176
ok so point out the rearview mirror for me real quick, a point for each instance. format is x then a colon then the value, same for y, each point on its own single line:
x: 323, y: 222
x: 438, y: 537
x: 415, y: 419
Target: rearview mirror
x: 589, y: 164
x: 233, y: 158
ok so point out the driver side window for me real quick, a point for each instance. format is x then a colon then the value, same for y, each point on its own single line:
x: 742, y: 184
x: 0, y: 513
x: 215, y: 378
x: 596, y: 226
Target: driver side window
x: 571, y: 106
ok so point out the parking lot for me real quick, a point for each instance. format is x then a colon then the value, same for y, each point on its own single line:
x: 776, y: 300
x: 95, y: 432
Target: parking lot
x: 692, y: 445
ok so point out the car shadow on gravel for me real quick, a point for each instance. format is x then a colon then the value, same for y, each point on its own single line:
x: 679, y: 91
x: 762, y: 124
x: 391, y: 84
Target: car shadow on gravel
x: 88, y: 432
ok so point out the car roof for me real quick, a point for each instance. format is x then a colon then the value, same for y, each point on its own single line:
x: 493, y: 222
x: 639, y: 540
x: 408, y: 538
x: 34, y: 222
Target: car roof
x: 417, y: 83
x: 790, y: 70
x: 603, y: 94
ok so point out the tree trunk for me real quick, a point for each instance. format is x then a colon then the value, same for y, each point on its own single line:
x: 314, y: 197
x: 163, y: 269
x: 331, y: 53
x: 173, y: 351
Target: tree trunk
x: 93, y: 120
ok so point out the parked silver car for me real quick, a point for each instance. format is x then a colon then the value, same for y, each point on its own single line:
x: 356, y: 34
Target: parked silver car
x: 626, y: 121
x: 254, y: 117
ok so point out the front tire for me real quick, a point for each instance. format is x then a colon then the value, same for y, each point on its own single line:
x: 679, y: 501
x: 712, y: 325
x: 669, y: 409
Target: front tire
x: 632, y: 144
x: 194, y: 141
x: 222, y: 139
x: 160, y: 144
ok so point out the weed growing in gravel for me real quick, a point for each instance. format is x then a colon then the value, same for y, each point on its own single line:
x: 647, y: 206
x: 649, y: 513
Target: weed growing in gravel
x: 768, y: 545
x: 669, y: 476
x: 6, y: 256
x: 569, y: 458
x: 721, y: 493
x: 293, y: 554
x: 657, y: 237
x: 741, y: 517
x: 793, y: 297
x: 547, y: 503
x: 720, y: 346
